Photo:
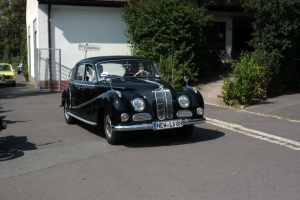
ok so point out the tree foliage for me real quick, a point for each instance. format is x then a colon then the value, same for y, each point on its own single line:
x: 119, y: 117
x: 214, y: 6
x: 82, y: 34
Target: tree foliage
x: 248, y: 81
x: 23, y: 50
x: 169, y: 32
x: 12, y: 19
x: 277, y: 41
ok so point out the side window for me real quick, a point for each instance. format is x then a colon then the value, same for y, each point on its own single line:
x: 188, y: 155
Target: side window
x: 79, y: 72
x: 90, y: 73
x: 72, y: 74
x: 99, y: 69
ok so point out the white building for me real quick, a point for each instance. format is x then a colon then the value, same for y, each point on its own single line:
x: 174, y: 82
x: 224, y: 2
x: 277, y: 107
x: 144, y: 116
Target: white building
x: 68, y: 27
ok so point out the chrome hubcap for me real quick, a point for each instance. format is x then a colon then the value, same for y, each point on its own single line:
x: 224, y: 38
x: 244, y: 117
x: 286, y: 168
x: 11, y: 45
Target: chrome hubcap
x: 108, y: 129
x: 66, y: 114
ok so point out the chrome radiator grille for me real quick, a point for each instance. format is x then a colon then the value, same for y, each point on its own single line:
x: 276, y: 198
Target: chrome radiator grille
x: 164, y: 104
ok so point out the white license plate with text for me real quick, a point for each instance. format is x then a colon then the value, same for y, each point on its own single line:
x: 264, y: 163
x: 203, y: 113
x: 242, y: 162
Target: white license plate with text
x: 167, y: 124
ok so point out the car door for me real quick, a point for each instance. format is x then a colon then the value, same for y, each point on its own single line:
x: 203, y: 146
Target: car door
x: 87, y: 90
x: 75, y: 95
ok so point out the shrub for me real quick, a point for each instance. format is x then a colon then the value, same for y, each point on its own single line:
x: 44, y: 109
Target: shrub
x: 169, y: 32
x: 276, y: 34
x: 248, y: 81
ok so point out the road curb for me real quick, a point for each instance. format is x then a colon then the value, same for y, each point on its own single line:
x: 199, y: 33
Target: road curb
x: 259, y: 114
x: 256, y: 134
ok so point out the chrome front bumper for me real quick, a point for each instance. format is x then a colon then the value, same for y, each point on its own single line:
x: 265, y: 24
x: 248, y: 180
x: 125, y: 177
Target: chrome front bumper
x: 150, y: 125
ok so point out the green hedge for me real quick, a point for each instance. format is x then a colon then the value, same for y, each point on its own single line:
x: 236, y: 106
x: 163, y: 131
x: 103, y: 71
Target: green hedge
x: 169, y: 32
x: 276, y: 37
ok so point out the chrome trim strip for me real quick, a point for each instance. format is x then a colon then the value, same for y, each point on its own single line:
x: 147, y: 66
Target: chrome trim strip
x: 83, y: 120
x: 168, y: 103
x: 141, y: 117
x: 150, y: 81
x: 184, y: 113
x: 150, y: 125
x: 160, y: 103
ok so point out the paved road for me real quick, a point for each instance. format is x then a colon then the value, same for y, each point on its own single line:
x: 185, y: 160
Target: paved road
x: 48, y: 159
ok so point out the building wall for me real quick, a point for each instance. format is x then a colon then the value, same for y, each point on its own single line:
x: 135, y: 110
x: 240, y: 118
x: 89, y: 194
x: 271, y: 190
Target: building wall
x: 31, y: 16
x: 70, y: 27
x: 228, y: 17
x: 74, y: 25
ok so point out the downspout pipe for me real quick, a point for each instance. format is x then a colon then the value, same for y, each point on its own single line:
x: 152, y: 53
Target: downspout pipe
x: 49, y: 43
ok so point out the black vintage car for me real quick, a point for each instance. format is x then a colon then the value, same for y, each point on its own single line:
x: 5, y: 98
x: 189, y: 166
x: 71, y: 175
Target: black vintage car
x: 127, y: 93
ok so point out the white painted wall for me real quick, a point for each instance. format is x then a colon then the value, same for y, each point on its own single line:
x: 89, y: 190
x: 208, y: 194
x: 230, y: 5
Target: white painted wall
x: 31, y: 15
x: 74, y: 25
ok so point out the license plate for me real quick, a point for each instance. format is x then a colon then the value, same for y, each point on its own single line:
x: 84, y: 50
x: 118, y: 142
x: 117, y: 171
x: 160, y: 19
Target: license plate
x: 167, y: 124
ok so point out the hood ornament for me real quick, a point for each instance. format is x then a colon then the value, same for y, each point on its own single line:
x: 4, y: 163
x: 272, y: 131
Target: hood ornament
x: 112, y: 90
x: 109, y: 81
x: 186, y: 79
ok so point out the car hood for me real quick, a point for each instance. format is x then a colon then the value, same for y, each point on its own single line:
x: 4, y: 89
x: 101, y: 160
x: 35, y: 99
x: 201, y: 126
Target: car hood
x: 138, y: 84
x: 144, y: 88
x: 7, y: 73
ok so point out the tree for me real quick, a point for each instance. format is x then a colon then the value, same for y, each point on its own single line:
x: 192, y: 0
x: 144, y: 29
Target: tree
x: 12, y: 20
x: 277, y: 41
x: 169, y: 32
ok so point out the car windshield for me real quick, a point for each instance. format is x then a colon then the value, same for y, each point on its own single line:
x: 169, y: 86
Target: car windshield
x: 127, y: 68
x: 5, y: 68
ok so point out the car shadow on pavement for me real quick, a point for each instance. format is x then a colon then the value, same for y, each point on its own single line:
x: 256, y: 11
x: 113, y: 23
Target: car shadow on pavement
x: 9, y: 121
x: 12, y: 147
x: 151, y: 138
x: 4, y: 111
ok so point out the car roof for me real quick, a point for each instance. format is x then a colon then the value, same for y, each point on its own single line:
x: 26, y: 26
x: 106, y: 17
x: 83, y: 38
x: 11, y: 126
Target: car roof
x: 94, y: 60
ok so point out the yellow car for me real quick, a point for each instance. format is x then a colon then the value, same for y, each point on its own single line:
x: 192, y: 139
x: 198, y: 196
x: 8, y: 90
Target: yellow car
x: 7, y: 75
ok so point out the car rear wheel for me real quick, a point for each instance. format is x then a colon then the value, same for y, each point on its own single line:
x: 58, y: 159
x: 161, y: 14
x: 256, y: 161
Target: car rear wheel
x: 69, y: 119
x: 185, y: 131
x: 113, y: 137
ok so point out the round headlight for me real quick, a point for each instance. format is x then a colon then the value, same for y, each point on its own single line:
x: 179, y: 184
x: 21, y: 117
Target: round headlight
x: 139, y: 104
x: 184, y: 101
x: 124, y: 117
x: 200, y: 111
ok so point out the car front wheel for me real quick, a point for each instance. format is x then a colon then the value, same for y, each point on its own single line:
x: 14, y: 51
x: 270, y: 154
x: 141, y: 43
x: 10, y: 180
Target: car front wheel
x: 113, y: 137
x: 185, y: 131
x: 69, y: 119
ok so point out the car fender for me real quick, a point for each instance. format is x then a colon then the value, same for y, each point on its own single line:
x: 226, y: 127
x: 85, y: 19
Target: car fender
x: 196, y: 99
x: 65, y: 96
x: 114, y: 102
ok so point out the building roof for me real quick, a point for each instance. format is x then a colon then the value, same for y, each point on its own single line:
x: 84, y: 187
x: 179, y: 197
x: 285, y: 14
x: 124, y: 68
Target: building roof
x: 211, y: 5
x: 108, y: 3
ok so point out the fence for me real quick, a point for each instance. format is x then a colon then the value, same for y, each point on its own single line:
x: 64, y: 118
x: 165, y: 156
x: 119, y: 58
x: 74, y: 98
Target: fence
x: 48, y: 75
